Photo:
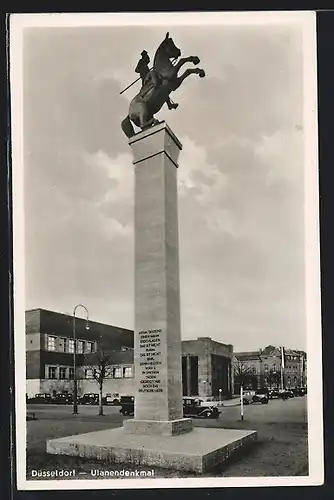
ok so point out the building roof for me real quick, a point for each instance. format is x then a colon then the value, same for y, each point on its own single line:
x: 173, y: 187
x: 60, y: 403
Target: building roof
x: 250, y: 355
x: 270, y: 350
x: 51, y: 322
x: 213, y: 346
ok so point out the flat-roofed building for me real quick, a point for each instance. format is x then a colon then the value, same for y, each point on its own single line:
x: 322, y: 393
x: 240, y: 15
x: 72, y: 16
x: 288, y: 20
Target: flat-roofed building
x: 206, y: 364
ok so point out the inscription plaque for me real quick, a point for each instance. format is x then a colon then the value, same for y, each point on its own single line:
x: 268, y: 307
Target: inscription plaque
x: 150, y: 360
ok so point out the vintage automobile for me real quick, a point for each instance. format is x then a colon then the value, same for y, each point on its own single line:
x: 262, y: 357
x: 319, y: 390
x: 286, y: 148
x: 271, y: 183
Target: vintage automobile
x: 111, y: 399
x: 286, y: 394
x: 259, y: 396
x: 273, y: 394
x: 89, y: 399
x: 299, y: 391
x: 62, y: 399
x: 195, y: 407
x: 127, y: 405
x: 248, y: 397
x: 41, y: 398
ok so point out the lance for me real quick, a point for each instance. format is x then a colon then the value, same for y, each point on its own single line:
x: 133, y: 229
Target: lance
x: 139, y: 77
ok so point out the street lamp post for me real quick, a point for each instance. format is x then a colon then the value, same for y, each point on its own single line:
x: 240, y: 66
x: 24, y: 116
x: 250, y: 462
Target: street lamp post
x: 75, y: 382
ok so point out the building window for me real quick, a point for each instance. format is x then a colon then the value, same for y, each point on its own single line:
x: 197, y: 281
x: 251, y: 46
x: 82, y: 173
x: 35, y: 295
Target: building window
x: 62, y: 345
x: 62, y: 372
x: 52, y: 372
x: 89, y: 347
x: 80, y: 346
x: 127, y: 372
x: 51, y: 343
x: 71, y: 373
x: 266, y: 368
x: 89, y: 373
x: 117, y: 372
x: 274, y: 367
x: 71, y: 346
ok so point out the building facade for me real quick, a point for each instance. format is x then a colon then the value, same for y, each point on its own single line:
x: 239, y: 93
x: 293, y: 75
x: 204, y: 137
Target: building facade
x: 50, y: 348
x: 207, y: 368
x: 206, y: 364
x: 264, y: 368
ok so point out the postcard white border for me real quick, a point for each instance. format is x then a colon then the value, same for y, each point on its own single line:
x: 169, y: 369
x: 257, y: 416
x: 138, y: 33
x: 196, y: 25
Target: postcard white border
x: 307, y: 21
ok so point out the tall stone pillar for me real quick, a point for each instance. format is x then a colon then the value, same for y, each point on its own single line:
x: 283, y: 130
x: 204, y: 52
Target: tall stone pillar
x: 157, y: 343
x: 158, y: 435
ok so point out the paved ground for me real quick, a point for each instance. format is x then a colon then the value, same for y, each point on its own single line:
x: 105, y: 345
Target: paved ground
x: 281, y: 426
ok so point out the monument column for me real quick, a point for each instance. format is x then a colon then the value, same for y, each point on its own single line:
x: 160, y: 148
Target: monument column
x: 157, y: 342
x: 158, y: 435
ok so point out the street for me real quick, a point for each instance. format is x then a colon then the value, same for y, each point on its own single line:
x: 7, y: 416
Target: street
x: 281, y: 448
x: 293, y: 410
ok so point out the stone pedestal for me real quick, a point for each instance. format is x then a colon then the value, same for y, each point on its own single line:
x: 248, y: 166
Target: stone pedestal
x: 157, y: 338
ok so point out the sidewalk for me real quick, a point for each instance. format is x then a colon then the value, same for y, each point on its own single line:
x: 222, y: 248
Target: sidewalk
x: 228, y: 402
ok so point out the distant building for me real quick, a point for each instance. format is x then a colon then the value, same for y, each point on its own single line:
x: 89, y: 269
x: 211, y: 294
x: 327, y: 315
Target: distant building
x: 264, y: 368
x: 207, y: 368
x: 206, y: 364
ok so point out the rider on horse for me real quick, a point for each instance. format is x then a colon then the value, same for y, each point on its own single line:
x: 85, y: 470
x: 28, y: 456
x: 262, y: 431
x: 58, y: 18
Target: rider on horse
x: 145, y: 74
x: 157, y: 85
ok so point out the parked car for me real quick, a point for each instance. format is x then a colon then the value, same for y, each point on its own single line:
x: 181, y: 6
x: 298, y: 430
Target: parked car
x: 127, y: 405
x: 112, y: 399
x: 41, y: 398
x: 89, y: 399
x: 299, y: 391
x: 273, y: 394
x: 286, y: 394
x: 195, y: 407
x: 247, y: 397
x: 259, y: 396
x: 62, y: 399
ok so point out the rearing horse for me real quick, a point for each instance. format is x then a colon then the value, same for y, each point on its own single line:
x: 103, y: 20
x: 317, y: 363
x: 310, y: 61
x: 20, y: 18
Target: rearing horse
x: 159, y: 83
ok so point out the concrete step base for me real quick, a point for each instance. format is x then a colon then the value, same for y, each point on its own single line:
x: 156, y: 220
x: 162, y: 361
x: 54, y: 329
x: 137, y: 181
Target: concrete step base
x: 198, y: 451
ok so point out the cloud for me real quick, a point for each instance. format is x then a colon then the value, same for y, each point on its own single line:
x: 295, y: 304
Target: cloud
x: 283, y: 153
x: 239, y: 182
x: 245, y: 241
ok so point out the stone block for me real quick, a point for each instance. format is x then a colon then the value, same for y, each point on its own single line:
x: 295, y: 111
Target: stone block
x: 198, y: 451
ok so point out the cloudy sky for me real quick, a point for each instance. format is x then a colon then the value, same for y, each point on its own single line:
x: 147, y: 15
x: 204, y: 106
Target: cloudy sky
x: 240, y: 179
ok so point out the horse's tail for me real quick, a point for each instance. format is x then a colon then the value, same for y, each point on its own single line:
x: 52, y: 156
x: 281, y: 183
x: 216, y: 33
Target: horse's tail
x: 127, y: 127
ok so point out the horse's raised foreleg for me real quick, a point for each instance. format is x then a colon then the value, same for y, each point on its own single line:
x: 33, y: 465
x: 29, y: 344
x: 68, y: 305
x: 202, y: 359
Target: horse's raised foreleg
x: 189, y: 71
x: 194, y: 59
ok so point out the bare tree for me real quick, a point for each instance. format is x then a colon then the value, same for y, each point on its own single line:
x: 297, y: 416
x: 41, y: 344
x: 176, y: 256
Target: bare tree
x: 243, y: 374
x: 100, y: 364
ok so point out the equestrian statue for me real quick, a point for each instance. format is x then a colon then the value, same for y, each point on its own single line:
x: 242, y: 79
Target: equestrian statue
x: 157, y: 84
